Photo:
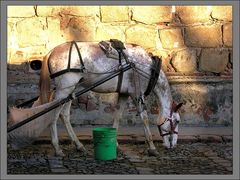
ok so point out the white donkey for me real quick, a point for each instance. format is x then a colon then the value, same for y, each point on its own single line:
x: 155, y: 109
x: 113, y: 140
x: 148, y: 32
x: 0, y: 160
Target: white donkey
x: 96, y: 64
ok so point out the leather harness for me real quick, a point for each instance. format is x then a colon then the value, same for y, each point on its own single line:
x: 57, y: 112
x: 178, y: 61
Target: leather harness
x: 119, y: 46
x: 155, y: 70
x: 69, y: 69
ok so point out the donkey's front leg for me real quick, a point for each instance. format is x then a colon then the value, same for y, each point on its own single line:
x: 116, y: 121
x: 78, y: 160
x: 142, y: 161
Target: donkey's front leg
x: 143, y: 114
x: 117, y: 115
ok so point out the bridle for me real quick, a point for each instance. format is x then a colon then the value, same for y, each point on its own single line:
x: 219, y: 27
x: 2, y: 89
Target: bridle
x: 172, y: 124
x: 170, y: 119
x: 172, y: 129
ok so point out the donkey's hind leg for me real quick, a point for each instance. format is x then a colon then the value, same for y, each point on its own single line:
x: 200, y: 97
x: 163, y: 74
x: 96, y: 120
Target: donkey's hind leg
x: 65, y: 116
x: 144, y: 116
x: 54, y: 134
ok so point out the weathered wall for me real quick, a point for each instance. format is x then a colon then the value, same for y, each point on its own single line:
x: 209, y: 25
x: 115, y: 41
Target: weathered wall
x: 195, y: 43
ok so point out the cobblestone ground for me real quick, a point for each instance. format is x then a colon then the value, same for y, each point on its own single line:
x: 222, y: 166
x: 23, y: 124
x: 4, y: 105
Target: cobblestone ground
x: 187, y: 158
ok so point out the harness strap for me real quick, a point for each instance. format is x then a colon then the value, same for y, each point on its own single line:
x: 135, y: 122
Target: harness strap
x: 119, y: 46
x: 155, y: 70
x: 69, y: 69
x: 162, y: 123
x: 119, y: 85
x: 120, y: 76
x: 137, y: 86
x: 79, y: 55
x: 168, y: 133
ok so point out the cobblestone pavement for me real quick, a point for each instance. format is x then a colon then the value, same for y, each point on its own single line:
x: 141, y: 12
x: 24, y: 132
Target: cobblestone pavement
x: 188, y: 158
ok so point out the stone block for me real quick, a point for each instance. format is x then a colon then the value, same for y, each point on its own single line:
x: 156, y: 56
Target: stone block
x: 36, y: 52
x: 48, y: 10
x: 80, y: 29
x: 10, y: 35
x: 54, y: 32
x: 171, y: 38
x: 31, y: 32
x: 210, y: 138
x: 142, y: 35
x: 213, y: 60
x: 15, y: 20
x: 59, y: 170
x: 17, y: 57
x: 108, y: 98
x: 203, y: 36
x: 143, y: 170
x: 20, y: 11
x: 91, y: 105
x: 227, y: 34
x: 17, y: 73
x: 109, y: 109
x: 166, y: 57
x: 114, y: 13
x: 67, y: 10
x: 106, y: 32
x: 64, y: 21
x: 185, y: 61
x: 193, y: 14
x: 187, y: 139
x: 222, y: 13
x: 80, y: 10
x: 151, y: 14
x: 22, y: 88
x: 83, y: 99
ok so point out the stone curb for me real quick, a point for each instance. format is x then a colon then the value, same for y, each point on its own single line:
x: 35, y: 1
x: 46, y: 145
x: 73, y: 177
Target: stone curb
x: 136, y: 135
x: 141, y: 139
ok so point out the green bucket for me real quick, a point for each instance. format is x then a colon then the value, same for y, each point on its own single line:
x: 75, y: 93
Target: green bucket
x: 105, y: 143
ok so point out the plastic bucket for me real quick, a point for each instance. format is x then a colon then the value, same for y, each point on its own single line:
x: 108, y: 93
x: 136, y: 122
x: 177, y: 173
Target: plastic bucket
x: 105, y: 144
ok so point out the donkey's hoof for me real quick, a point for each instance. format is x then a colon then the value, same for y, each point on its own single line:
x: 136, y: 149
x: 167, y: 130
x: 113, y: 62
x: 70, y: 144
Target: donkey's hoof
x: 153, y: 152
x: 119, y: 149
x: 82, y: 149
x: 60, y: 154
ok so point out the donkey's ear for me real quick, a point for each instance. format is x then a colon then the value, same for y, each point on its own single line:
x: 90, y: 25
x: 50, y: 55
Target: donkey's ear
x: 178, y: 107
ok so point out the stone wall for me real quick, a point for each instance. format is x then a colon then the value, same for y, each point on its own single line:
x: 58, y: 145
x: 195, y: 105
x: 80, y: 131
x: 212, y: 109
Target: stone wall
x: 195, y: 43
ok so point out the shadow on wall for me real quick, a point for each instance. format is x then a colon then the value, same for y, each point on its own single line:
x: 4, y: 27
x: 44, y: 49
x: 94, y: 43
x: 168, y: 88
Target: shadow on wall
x: 76, y: 27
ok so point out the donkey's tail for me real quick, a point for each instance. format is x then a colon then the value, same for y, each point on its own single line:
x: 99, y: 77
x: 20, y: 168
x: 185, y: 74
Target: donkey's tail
x: 44, y: 82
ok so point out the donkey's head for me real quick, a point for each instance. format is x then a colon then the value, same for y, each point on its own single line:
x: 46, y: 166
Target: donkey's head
x: 169, y: 128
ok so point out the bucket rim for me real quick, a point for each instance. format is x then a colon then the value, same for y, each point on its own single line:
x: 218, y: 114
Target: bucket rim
x: 103, y: 129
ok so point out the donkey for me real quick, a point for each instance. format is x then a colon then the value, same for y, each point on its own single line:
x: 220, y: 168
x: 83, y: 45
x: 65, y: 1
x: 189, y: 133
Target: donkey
x: 96, y: 64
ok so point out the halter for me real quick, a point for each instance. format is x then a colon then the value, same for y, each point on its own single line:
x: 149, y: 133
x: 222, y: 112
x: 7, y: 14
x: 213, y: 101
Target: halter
x: 172, y: 130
